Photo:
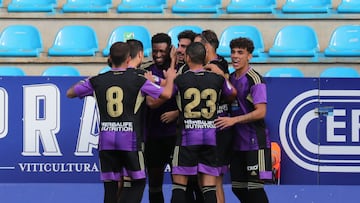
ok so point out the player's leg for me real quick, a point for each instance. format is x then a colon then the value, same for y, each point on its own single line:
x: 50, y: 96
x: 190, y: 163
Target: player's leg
x: 184, y: 164
x: 238, y: 172
x: 208, y: 170
x: 220, y: 189
x: 179, y: 188
x: 208, y: 188
x: 110, y: 191
x: 158, y: 153
x: 111, y: 173
x: 193, y: 190
x: 133, y: 189
x: 224, y: 141
x: 258, y: 175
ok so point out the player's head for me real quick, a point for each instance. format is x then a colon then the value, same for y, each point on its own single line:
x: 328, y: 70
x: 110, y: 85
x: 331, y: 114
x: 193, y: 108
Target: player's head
x: 136, y: 52
x: 241, y: 52
x: 211, y: 38
x: 161, y: 44
x: 136, y: 47
x: 242, y: 43
x: 185, y: 38
x: 195, y: 53
x: 119, y: 54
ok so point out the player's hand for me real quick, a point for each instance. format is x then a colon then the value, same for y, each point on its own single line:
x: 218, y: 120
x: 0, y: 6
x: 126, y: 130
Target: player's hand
x: 169, y: 116
x: 224, y: 122
x: 214, y: 68
x: 170, y: 73
x: 148, y: 75
x: 173, y: 54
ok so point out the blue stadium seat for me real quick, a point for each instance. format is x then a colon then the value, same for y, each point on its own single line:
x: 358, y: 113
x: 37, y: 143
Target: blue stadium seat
x: 125, y: 32
x: 231, y: 69
x: 307, y: 6
x: 349, y: 6
x: 284, y: 72
x: 193, y: 6
x: 84, y: 6
x: 32, y: 6
x: 344, y: 41
x: 141, y: 6
x: 20, y: 40
x: 174, y: 31
x: 11, y: 71
x: 236, y: 31
x: 340, y: 72
x: 104, y: 70
x: 61, y: 71
x: 251, y: 6
x: 74, y: 40
x: 1, y: 3
x: 295, y: 40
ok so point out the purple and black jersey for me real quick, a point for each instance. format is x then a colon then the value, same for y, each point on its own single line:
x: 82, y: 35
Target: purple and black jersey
x: 119, y: 94
x: 223, y: 109
x: 198, y: 99
x: 156, y: 128
x: 251, y: 90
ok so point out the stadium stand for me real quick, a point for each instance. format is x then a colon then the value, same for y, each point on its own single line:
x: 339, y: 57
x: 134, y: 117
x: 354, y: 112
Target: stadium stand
x: 247, y: 31
x: 98, y: 6
x: 61, y: 71
x: 104, y: 70
x: 174, y: 31
x: 141, y: 6
x: 340, y: 72
x: 125, y: 32
x: 191, y: 6
x: 251, y: 6
x: 11, y: 71
x: 32, y: 6
x: 349, y: 6
x: 345, y: 41
x: 284, y: 72
x: 307, y: 6
x: 268, y: 24
x: 75, y: 40
x: 20, y: 40
x: 295, y: 40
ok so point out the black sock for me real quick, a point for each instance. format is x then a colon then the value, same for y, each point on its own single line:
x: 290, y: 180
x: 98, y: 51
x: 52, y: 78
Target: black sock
x: 241, y: 194
x: 258, y: 196
x: 209, y: 194
x: 110, y: 193
x: 132, y: 191
x: 156, y: 195
x: 178, y: 193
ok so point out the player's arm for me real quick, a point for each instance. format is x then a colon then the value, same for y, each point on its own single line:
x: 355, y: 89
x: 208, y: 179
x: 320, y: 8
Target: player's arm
x: 154, y: 103
x: 170, y: 75
x: 258, y: 113
x: 80, y: 89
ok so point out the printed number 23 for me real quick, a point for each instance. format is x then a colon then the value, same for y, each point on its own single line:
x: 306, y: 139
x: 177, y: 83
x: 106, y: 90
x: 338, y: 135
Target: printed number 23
x: 209, y: 95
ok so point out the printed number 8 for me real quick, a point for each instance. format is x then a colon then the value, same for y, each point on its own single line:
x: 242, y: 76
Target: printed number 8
x: 114, y: 97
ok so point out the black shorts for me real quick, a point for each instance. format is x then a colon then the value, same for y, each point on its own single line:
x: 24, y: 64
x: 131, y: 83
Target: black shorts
x: 116, y: 163
x: 251, y: 166
x: 224, y: 141
x: 190, y: 160
x: 158, y: 151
